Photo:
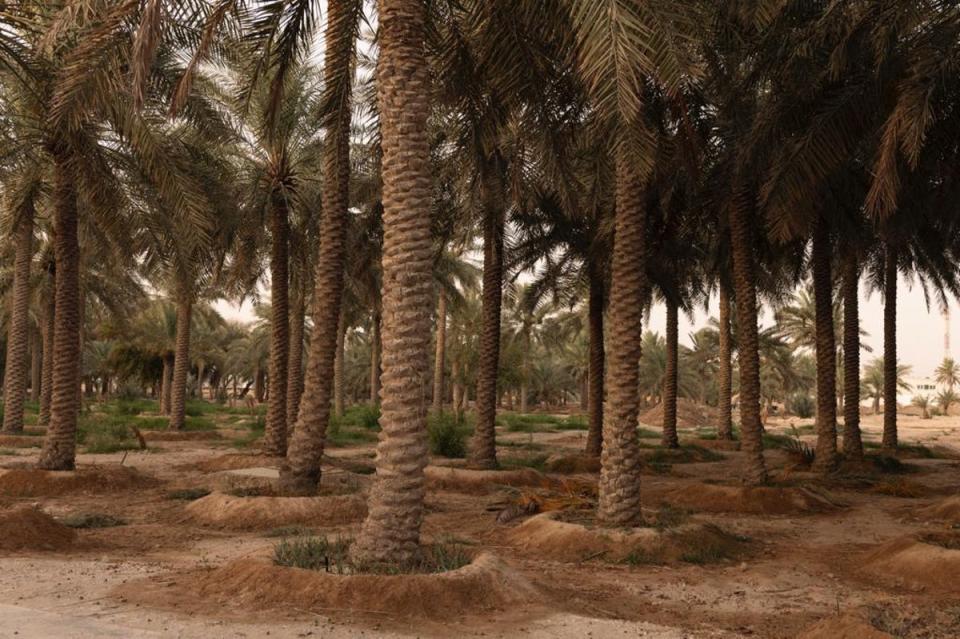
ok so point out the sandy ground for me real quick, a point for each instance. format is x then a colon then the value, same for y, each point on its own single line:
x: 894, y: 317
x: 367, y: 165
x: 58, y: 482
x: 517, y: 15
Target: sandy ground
x: 796, y: 568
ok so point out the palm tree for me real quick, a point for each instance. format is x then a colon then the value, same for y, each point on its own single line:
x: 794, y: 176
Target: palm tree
x: 946, y: 399
x: 301, y: 475
x: 18, y: 329
x: 391, y: 532
x: 948, y: 373
x: 923, y: 403
x: 874, y: 382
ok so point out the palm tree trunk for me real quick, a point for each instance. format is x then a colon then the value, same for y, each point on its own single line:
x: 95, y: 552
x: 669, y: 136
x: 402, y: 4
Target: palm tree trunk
x: 890, y: 349
x: 852, y: 442
x: 181, y: 366
x: 670, y: 438
x: 744, y: 283
x: 166, y: 384
x: 258, y: 384
x: 375, y: 360
x: 36, y: 362
x: 338, y: 369
x: 200, y: 374
x: 46, y: 373
x: 725, y: 372
x: 483, y: 449
x: 301, y: 475
x: 595, y: 367
x: 525, y: 371
x: 275, y: 435
x: 295, y: 363
x: 826, y: 451
x: 18, y: 329
x: 619, y: 488
x: 439, y: 355
x: 59, y: 447
x: 391, y: 531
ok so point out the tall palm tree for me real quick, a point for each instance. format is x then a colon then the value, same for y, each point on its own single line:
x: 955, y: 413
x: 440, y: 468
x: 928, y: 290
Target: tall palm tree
x: 391, y: 531
x: 301, y: 474
x: 948, y: 373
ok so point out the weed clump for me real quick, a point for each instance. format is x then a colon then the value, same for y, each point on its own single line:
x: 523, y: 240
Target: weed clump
x: 320, y: 553
x: 92, y: 520
x: 447, y: 435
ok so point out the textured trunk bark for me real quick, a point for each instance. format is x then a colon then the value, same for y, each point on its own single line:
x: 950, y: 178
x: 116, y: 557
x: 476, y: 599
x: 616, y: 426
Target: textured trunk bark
x: 259, y: 381
x: 59, y: 447
x: 18, y: 329
x: 525, y: 364
x: 295, y: 363
x: 670, y: 439
x: 338, y: 369
x: 595, y: 367
x: 36, y: 364
x: 457, y: 390
x: 744, y: 281
x: 619, y: 488
x: 200, y: 374
x: 391, y: 531
x: 483, y: 449
x: 826, y: 451
x: 46, y: 374
x: 166, y: 384
x: 890, y: 349
x: 725, y: 372
x: 852, y: 442
x: 375, y: 360
x: 440, y: 353
x: 301, y: 474
x: 275, y: 435
x: 181, y: 366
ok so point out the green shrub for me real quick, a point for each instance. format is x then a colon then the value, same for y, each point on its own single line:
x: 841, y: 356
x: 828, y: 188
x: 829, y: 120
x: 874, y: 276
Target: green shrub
x: 802, y: 405
x: 447, y: 434
x: 92, y: 520
x: 359, y: 416
x: 319, y: 553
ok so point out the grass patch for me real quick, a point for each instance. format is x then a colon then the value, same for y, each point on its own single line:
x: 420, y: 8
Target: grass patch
x: 131, y: 407
x: 198, y: 423
x: 646, y: 433
x: 711, y: 546
x: 359, y: 416
x: 644, y: 557
x: 536, y: 462
x: 92, y: 520
x: 447, y: 435
x: 8, y: 451
x: 188, y: 494
x: 152, y: 422
x: 100, y: 433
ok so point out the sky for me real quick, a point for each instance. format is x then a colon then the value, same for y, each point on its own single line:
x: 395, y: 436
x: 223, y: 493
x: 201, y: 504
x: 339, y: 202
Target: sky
x: 919, y: 335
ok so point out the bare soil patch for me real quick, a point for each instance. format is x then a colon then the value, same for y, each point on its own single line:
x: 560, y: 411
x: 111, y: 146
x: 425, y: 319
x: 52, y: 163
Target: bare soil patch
x: 752, y: 500
x: 29, y: 528
x: 573, y: 464
x: 251, y: 513
x: 482, y: 481
x: 848, y: 626
x: 20, y: 441
x: 485, y: 585
x: 945, y: 510
x: 930, y: 563
x: 31, y: 482
x: 549, y: 537
x: 235, y: 461
x: 690, y: 414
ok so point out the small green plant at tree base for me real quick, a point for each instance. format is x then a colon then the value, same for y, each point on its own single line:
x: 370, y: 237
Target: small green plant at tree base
x: 320, y: 553
x: 447, y: 435
x: 92, y: 520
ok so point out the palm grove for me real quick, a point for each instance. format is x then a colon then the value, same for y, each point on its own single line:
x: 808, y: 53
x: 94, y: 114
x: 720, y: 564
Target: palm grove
x: 593, y: 156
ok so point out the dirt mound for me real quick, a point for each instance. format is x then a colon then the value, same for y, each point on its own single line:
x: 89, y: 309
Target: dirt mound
x: 29, y: 528
x: 945, y: 510
x: 848, y: 626
x: 180, y: 435
x: 548, y: 537
x: 750, y: 500
x: 572, y: 464
x: 248, y: 513
x: 31, y: 482
x: 479, y: 481
x: 236, y: 461
x: 485, y: 585
x: 690, y: 414
x: 930, y: 563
